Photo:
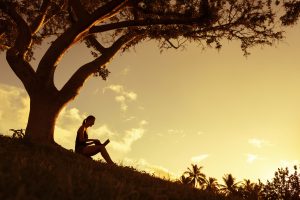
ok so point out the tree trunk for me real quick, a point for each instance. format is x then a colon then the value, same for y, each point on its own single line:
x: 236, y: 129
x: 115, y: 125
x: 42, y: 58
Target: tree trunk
x: 43, y: 113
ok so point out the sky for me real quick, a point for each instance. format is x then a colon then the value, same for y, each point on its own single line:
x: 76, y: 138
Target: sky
x: 165, y: 111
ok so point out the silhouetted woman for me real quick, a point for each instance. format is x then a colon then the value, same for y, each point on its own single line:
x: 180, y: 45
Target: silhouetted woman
x: 89, y: 147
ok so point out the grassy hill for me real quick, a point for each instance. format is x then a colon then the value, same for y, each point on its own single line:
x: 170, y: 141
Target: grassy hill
x: 37, y: 172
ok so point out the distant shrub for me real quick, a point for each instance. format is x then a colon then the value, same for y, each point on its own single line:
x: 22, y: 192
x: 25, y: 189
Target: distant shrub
x: 284, y: 186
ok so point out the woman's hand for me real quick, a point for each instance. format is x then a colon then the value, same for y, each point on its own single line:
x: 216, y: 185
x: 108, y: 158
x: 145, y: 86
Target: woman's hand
x: 97, y: 142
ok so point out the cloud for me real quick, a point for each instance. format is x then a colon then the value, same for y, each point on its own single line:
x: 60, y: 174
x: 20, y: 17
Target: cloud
x: 123, y: 96
x: 174, y: 132
x: 143, y: 165
x: 251, y: 158
x: 14, y: 108
x: 258, y: 143
x: 143, y: 123
x: 121, y: 143
x: 159, y: 134
x: 131, y: 95
x: 130, y: 118
x: 115, y: 88
x: 125, y: 71
x: 102, y: 131
x: 96, y: 91
x: 125, y: 143
x: 197, y: 159
x: 200, y: 133
x: 121, y: 100
x: 70, y: 118
x: 65, y: 137
x: 68, y: 121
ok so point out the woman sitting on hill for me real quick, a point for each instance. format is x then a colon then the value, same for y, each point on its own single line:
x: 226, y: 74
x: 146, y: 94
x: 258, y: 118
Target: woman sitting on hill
x: 90, y: 147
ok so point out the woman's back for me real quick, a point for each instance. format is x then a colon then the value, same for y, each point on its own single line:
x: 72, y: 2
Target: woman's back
x: 79, y: 137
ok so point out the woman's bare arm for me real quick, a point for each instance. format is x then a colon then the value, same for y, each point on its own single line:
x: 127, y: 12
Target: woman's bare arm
x: 82, y: 139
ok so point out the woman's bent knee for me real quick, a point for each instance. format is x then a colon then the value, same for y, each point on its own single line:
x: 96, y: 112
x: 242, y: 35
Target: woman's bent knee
x: 101, y: 147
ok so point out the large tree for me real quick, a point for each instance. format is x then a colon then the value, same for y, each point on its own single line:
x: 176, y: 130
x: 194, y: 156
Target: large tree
x: 107, y: 26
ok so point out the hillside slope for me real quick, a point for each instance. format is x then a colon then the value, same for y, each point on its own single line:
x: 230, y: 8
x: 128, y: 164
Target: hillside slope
x: 37, y: 172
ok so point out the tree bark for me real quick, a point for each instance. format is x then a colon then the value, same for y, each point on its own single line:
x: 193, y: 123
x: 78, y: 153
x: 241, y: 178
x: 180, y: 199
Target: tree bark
x: 44, y: 110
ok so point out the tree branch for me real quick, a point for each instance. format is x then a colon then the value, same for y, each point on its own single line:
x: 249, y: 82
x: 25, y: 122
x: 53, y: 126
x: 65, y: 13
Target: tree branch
x: 109, y: 9
x: 76, y: 32
x: 23, y: 40
x: 58, y: 10
x: 91, y: 39
x: 39, y: 21
x: 172, y: 45
x: 80, y: 13
x: 73, y: 85
x: 78, y: 10
x: 22, y: 69
x: 146, y: 22
x: 15, y: 56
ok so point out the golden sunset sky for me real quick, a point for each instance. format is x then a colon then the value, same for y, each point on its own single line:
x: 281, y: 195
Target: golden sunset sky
x: 164, y: 111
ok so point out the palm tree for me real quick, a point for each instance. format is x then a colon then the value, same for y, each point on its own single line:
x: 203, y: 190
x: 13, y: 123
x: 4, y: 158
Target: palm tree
x: 197, y: 178
x: 231, y: 186
x: 211, y: 185
x: 250, y: 190
x: 257, y: 190
x: 247, y: 185
x: 185, y: 180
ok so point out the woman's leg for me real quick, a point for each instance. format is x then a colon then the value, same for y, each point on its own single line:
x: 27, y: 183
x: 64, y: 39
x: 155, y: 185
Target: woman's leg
x: 105, y: 155
x: 92, y: 150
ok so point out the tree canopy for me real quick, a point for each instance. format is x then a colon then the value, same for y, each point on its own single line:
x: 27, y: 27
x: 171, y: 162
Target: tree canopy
x: 202, y: 21
x: 292, y: 13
